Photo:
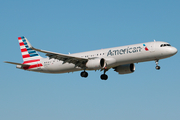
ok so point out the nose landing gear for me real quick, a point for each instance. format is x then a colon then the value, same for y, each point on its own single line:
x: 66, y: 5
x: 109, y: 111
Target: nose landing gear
x: 157, y: 67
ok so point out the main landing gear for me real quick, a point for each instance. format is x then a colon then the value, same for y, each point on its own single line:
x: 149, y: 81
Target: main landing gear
x: 84, y: 74
x: 103, y: 76
x: 157, y: 67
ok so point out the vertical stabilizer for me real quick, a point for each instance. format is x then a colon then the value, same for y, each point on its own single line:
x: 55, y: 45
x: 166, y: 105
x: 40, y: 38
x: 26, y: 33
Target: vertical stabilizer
x: 29, y: 56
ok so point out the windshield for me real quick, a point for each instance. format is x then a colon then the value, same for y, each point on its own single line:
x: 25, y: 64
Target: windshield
x: 163, y: 45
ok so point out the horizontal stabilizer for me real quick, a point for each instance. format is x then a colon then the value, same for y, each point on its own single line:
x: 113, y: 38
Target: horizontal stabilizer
x: 23, y: 65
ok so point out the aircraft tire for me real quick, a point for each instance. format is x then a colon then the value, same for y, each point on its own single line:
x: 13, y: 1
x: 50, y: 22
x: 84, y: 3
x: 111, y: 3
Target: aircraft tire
x: 84, y: 74
x: 104, y: 77
x: 158, y: 67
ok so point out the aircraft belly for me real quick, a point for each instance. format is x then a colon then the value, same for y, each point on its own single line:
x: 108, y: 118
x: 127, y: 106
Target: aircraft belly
x: 61, y: 68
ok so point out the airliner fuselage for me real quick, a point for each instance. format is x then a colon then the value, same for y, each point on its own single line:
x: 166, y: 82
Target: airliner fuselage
x: 113, y: 56
x: 121, y: 58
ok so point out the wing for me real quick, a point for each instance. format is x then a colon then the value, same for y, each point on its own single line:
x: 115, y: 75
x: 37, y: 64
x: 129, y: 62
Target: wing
x: 77, y: 61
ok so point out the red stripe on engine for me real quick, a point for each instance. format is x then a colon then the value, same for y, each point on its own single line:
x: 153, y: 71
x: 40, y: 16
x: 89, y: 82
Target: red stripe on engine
x: 32, y: 66
x: 25, y: 56
x: 30, y: 61
x: 21, y: 44
x: 24, y: 50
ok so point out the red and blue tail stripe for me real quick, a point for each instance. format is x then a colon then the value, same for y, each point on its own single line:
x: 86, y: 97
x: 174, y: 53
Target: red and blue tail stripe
x: 31, y: 53
x: 30, y: 57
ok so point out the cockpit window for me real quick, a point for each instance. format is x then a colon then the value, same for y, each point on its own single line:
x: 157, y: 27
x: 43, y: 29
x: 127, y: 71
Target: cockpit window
x: 163, y: 45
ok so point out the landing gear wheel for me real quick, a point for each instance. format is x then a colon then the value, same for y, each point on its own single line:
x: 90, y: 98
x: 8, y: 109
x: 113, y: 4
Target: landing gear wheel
x: 84, y: 74
x: 158, y: 67
x: 104, y: 77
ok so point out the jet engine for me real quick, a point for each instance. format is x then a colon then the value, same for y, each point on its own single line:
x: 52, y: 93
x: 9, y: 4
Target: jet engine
x: 125, y: 69
x: 97, y: 63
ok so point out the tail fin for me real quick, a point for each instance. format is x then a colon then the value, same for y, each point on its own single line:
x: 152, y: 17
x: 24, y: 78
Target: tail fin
x: 28, y: 54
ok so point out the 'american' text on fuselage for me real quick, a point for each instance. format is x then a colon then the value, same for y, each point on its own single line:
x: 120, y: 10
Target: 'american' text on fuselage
x: 124, y: 51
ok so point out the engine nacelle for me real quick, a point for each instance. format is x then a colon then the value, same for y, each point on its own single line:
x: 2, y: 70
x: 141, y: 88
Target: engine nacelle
x: 95, y: 64
x: 125, y: 69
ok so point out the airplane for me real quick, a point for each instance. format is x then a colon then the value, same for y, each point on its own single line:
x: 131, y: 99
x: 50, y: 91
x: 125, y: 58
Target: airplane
x: 122, y: 59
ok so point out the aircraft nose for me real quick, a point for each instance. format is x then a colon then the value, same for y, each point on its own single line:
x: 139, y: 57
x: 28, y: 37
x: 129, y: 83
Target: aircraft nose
x: 173, y: 50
